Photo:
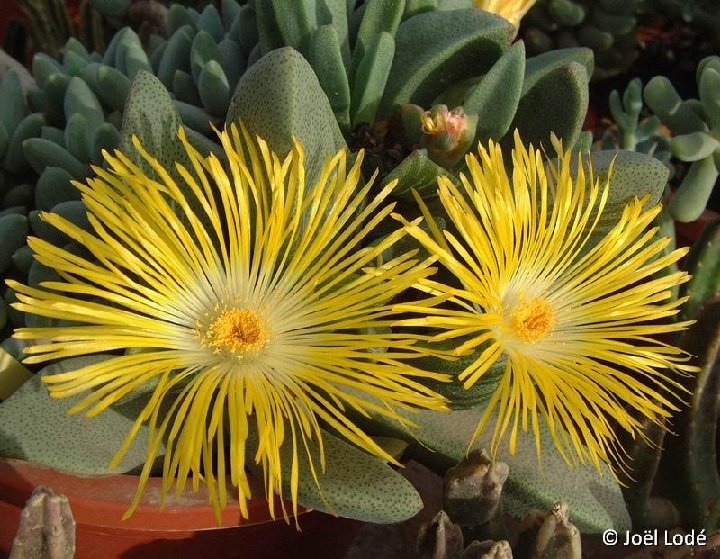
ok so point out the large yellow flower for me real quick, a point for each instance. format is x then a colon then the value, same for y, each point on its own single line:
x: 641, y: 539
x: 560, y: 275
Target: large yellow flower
x: 511, y: 10
x: 576, y: 324
x: 248, y: 305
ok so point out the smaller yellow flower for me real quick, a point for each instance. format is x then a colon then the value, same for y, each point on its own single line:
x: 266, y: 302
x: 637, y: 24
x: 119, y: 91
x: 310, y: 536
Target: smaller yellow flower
x: 577, y: 325
x: 511, y: 10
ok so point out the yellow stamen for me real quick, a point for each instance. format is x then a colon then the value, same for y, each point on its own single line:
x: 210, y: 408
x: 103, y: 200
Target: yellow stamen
x: 532, y: 319
x: 236, y: 330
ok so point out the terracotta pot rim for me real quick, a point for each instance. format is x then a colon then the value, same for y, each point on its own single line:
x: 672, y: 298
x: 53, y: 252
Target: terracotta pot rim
x: 103, y: 499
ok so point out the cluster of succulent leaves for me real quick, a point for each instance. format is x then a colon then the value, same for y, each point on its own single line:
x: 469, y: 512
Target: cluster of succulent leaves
x: 687, y: 130
x: 318, y: 71
x: 605, y: 26
x: 654, y: 119
x: 609, y: 27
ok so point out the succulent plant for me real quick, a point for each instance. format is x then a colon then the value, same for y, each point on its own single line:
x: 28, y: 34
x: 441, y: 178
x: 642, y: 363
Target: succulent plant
x: 695, y: 128
x: 634, y: 133
x: 319, y: 72
x: 605, y: 26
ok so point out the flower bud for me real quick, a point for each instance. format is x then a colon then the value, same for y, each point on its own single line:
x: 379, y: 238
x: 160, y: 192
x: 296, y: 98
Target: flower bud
x: 447, y: 135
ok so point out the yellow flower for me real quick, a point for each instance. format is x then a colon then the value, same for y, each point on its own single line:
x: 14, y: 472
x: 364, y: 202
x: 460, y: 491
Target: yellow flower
x: 511, y: 10
x: 575, y: 324
x: 244, y: 298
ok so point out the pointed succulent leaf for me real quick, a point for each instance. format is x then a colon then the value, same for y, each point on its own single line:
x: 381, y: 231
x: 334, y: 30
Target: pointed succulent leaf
x: 436, y: 49
x: 285, y: 23
x: 55, y: 87
x: 561, y: 96
x: 354, y: 484
x: 34, y: 427
x: 41, y: 153
x: 539, y: 67
x: 279, y: 98
x: 495, y: 99
x: 202, y: 51
x: 210, y: 22
x: 79, y: 98
x: 370, y: 78
x: 184, y: 88
x: 692, y: 195
x: 72, y: 210
x: 151, y: 116
x: 232, y: 60
x: 176, y: 55
x: 379, y: 16
x: 693, y: 146
x: 247, y: 26
x: 665, y: 102
x: 44, y: 66
x: 77, y: 138
x: 229, y: 10
x: 156, y: 57
x: 113, y: 87
x: 325, y: 56
x: 53, y: 134
x: 73, y: 64
x: 335, y: 13
x: 136, y: 59
x: 13, y: 232
x: 416, y: 172
x: 177, y: 17
x: 414, y: 7
x: 12, y: 102
x: 29, y: 127
x: 195, y: 117
x: 107, y: 137
x: 268, y: 31
x: 53, y: 187
x: 214, y: 89
x: 709, y: 93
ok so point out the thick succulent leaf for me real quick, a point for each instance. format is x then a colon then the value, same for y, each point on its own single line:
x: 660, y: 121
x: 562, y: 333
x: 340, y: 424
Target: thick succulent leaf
x: 416, y: 172
x: 379, y: 16
x: 335, y: 13
x: 436, y: 49
x: 353, y: 485
x: 150, y: 115
x: 279, y: 98
x: 595, y: 499
x: 370, y: 78
x: 37, y: 428
x: 495, y: 99
x: 325, y: 56
x: 561, y: 96
x: 692, y: 195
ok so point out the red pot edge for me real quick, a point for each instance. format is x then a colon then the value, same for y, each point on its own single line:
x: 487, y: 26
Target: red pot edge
x: 101, y: 500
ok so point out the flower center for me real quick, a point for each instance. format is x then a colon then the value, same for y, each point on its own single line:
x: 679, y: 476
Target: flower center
x: 236, y: 330
x: 532, y: 319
